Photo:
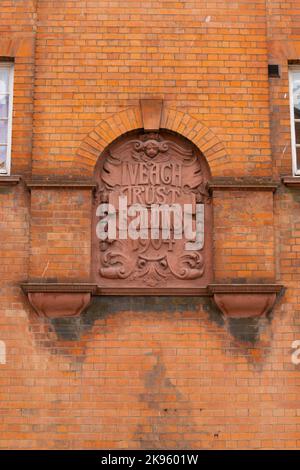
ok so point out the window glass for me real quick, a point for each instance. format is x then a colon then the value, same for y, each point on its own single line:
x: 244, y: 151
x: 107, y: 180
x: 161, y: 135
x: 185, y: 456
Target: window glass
x: 6, y: 98
x: 295, y: 119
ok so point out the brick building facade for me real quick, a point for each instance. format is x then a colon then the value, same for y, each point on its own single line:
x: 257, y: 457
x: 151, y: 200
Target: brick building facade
x: 143, y: 371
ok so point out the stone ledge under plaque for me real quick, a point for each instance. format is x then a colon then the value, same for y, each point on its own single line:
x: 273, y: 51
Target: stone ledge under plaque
x: 153, y: 291
x: 245, y: 300
x: 57, y: 300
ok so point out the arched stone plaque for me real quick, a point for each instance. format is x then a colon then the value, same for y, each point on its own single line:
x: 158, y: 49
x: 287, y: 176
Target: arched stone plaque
x: 153, y: 188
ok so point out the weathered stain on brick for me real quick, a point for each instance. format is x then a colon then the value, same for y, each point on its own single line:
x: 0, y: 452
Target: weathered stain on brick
x: 244, y: 329
x: 167, y: 405
x: 102, y: 307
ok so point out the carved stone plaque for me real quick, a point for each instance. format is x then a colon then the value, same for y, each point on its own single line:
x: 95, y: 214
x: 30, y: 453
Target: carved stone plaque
x: 137, y: 175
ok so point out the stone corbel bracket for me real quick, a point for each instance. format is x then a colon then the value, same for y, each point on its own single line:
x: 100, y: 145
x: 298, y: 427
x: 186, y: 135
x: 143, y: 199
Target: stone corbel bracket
x: 57, y: 300
x: 245, y: 300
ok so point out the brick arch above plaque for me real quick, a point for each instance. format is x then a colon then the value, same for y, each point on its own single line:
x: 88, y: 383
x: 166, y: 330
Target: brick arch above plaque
x: 152, y: 215
x: 132, y: 118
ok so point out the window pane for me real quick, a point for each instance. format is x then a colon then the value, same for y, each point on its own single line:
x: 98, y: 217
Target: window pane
x: 296, y: 94
x: 4, y: 106
x: 298, y: 157
x: 2, y: 157
x: 3, y: 132
x: 297, y: 132
x: 4, y: 78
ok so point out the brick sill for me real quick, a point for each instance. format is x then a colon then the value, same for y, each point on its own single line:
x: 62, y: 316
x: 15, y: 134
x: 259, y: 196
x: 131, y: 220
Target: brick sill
x: 9, y: 180
x: 243, y: 184
x: 240, y: 184
x: 60, y: 184
x: 237, y: 184
x: 291, y: 181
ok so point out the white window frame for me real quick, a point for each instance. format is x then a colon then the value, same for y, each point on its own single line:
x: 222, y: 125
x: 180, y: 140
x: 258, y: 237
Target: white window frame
x: 10, y: 66
x: 292, y: 70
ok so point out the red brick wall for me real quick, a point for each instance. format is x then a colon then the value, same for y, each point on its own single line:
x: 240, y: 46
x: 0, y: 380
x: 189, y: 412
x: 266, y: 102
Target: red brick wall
x: 148, y: 372
x: 17, y: 33
x: 243, y: 236
x: 60, y: 224
x: 96, y: 59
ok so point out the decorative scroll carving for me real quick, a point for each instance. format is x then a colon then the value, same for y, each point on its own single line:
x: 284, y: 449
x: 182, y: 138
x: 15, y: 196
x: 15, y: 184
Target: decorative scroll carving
x: 152, y: 169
